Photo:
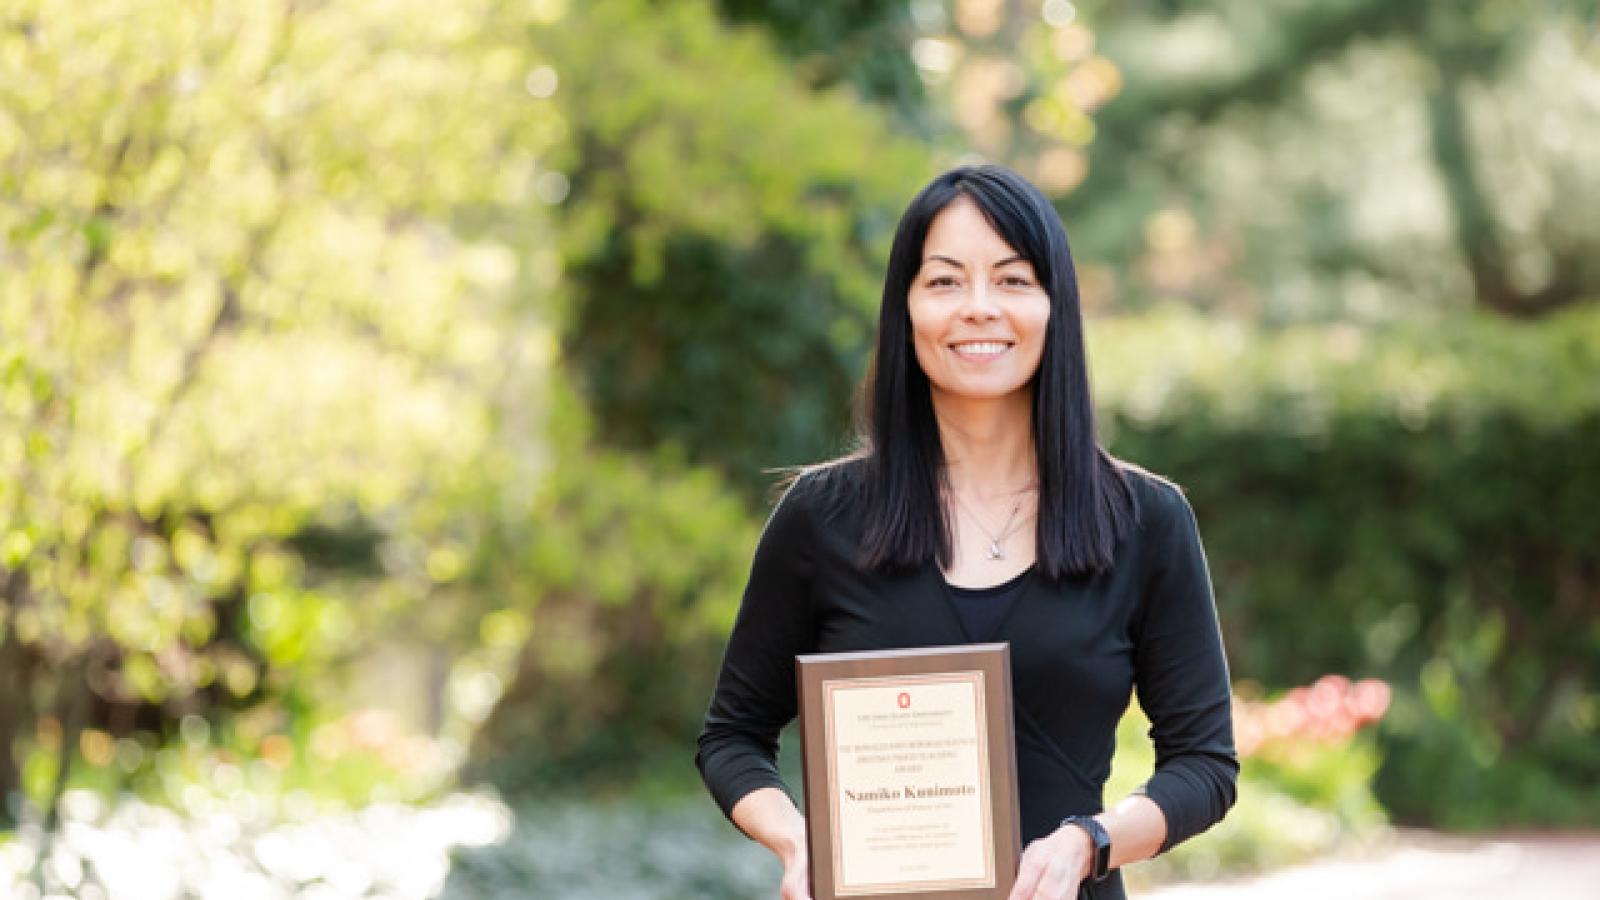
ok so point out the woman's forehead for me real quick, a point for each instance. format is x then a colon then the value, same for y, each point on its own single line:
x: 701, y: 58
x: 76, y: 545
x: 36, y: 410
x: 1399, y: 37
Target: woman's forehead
x: 961, y: 233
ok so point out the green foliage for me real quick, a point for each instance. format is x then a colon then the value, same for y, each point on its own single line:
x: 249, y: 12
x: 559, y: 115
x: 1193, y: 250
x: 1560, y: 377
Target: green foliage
x: 245, y: 335
x: 1290, y: 808
x: 1334, y: 778
x: 641, y: 567
x: 865, y: 44
x: 1416, y: 505
x: 723, y: 247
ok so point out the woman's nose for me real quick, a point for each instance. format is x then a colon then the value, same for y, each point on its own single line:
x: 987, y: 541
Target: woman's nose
x: 978, y: 305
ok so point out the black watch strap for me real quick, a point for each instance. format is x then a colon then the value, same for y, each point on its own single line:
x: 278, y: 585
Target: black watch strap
x: 1100, y: 838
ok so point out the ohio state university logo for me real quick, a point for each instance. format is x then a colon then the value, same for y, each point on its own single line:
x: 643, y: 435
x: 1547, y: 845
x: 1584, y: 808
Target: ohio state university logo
x: 904, y: 700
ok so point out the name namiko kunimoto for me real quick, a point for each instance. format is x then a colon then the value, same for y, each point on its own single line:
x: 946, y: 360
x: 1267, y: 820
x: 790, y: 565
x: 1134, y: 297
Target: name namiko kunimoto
x: 912, y: 793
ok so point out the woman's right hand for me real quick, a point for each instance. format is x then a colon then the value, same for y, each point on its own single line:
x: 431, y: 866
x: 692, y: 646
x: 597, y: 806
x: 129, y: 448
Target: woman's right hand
x: 796, y: 872
x: 768, y: 816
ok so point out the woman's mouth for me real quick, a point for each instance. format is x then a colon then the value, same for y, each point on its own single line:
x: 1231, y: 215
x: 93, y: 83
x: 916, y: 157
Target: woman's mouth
x: 980, y: 350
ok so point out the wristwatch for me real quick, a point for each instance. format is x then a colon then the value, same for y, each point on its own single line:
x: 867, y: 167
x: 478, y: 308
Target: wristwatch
x: 1101, y: 840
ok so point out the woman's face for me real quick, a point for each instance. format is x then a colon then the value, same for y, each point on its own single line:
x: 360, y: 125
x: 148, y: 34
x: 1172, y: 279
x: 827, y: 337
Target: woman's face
x: 978, y: 311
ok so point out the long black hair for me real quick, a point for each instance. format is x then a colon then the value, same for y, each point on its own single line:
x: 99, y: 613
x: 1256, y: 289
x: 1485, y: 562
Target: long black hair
x: 1085, y: 503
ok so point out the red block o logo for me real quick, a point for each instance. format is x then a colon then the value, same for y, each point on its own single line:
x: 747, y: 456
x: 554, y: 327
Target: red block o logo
x: 904, y: 700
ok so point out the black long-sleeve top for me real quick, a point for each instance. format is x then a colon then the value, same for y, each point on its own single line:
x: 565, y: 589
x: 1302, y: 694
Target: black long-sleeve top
x: 1079, y: 647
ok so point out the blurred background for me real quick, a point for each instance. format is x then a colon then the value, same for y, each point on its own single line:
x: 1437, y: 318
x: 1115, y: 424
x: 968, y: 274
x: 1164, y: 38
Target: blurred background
x: 388, y: 390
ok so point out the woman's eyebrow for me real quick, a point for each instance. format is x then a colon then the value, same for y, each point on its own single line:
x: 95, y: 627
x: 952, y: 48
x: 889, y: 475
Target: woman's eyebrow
x: 940, y: 257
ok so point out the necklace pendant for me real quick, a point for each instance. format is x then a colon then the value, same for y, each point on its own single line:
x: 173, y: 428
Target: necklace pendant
x: 995, y: 552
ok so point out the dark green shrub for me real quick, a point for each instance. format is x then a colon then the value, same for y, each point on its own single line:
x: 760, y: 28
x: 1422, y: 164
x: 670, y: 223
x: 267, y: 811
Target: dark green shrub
x: 1417, y: 504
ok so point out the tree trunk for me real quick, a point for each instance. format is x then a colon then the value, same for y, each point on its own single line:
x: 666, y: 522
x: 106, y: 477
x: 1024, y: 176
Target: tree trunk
x: 1474, y: 224
x: 72, y: 706
x: 1457, y: 60
x: 16, y: 708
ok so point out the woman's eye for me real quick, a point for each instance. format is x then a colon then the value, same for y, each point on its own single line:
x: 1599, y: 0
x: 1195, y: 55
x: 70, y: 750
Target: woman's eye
x: 941, y: 281
x: 1015, y: 281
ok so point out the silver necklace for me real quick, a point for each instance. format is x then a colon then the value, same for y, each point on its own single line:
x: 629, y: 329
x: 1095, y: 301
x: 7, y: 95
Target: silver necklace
x: 997, y: 549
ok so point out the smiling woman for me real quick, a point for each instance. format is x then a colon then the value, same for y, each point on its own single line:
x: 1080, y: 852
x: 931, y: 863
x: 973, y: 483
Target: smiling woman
x: 978, y: 312
x: 980, y: 257
x: 982, y: 508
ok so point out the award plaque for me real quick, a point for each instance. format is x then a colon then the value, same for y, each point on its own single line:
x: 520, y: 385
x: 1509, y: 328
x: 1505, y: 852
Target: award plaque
x: 910, y: 773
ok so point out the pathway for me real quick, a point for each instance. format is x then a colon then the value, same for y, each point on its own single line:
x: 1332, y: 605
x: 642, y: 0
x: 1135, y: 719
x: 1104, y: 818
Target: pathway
x: 1423, y: 866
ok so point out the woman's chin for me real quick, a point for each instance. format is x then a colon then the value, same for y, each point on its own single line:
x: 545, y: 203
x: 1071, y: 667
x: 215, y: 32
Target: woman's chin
x: 988, y: 391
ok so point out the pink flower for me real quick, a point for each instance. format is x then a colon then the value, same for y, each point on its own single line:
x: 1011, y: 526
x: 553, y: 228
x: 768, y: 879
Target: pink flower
x: 1369, y: 700
x: 1329, y: 711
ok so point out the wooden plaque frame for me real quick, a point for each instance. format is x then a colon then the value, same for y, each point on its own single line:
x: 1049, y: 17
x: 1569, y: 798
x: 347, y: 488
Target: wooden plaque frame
x: 988, y: 666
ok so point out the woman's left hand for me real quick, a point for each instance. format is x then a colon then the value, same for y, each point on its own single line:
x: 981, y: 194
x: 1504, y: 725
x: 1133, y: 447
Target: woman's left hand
x: 1053, y: 866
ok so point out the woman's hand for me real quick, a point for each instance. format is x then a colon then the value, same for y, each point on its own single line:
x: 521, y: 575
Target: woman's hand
x: 796, y: 872
x: 1053, y: 866
x: 769, y: 817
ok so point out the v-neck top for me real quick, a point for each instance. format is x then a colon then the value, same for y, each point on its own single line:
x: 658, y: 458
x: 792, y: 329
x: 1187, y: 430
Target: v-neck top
x: 1080, y: 648
x: 983, y: 609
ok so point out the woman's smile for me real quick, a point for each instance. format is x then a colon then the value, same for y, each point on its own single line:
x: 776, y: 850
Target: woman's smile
x: 981, y: 351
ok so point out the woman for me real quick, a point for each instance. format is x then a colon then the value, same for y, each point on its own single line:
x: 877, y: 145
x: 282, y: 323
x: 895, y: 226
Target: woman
x: 981, y: 508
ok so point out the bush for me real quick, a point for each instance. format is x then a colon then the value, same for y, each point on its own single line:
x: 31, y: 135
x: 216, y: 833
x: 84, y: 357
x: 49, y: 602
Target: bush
x: 1305, y: 781
x: 1415, y: 504
x: 638, y: 566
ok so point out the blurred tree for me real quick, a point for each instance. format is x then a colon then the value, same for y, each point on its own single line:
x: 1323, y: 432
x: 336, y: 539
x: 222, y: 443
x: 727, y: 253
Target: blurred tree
x: 1435, y: 146
x: 722, y: 230
x: 864, y: 43
x: 257, y: 325
x: 725, y: 231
